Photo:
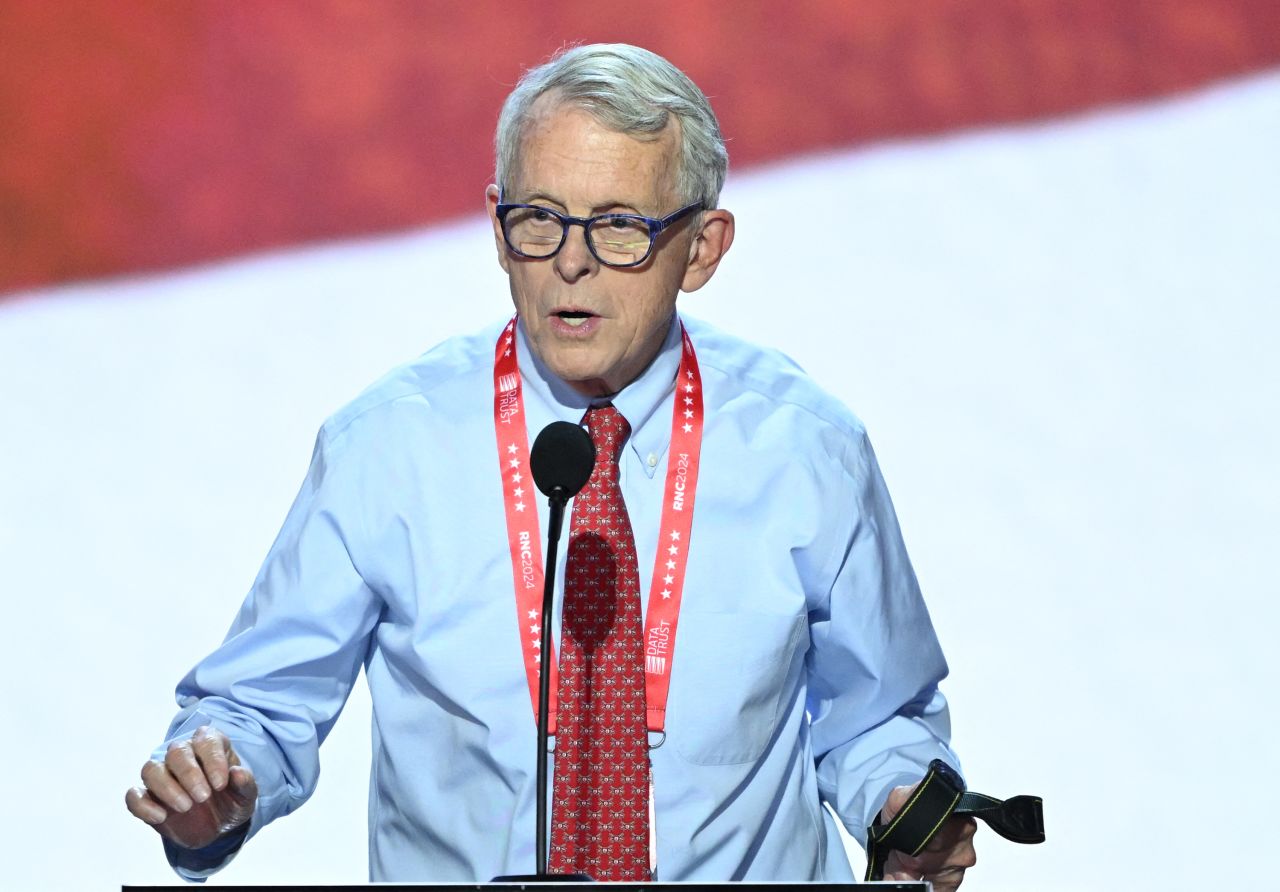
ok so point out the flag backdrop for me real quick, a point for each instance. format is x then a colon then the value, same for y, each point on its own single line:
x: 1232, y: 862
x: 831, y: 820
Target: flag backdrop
x: 153, y: 134
x: 1029, y: 242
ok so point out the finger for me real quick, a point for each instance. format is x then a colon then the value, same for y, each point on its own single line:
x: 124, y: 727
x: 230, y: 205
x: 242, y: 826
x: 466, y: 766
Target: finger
x: 956, y: 831
x: 965, y: 856
x: 903, y: 866
x: 211, y: 747
x: 898, y: 797
x: 961, y: 854
x: 241, y: 785
x: 913, y: 866
x: 143, y: 807
x: 183, y: 765
x: 164, y: 788
x: 947, y: 880
x: 961, y: 857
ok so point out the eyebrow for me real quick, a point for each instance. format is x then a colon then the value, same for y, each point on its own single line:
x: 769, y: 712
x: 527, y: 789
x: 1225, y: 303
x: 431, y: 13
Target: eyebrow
x: 597, y: 209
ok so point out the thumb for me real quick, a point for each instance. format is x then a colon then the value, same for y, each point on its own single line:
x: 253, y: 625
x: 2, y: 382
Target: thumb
x: 898, y: 797
x: 242, y: 789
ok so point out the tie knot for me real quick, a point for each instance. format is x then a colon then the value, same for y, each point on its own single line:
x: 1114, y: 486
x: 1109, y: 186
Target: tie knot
x: 608, y: 431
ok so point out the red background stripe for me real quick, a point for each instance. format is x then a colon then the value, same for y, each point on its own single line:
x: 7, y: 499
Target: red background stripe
x: 153, y: 134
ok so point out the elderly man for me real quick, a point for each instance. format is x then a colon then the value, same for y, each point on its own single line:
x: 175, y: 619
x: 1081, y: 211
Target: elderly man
x: 776, y: 657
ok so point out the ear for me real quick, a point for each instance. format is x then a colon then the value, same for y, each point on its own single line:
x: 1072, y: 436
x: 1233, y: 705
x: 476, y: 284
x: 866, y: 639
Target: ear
x: 714, y: 237
x: 492, y: 195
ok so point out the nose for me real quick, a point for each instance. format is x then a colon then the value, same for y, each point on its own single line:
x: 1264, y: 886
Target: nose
x: 574, y: 260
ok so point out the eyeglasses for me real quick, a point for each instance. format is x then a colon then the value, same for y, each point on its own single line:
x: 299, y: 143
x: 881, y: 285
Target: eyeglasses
x: 613, y: 239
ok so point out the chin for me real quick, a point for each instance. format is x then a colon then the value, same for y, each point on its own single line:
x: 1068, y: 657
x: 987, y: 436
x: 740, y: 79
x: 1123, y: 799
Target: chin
x: 587, y: 381
x: 590, y: 385
x: 573, y: 369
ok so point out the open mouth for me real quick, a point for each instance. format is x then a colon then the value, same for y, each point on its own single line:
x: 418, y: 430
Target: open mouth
x: 574, y: 318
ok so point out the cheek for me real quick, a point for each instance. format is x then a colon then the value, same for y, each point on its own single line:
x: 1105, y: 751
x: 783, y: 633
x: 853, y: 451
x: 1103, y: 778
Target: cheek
x: 523, y: 284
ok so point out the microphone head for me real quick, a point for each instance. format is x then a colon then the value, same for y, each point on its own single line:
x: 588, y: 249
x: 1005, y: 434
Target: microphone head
x: 561, y: 459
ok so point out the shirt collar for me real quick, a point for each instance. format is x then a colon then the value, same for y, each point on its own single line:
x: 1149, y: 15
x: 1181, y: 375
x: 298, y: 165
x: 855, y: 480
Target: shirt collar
x: 638, y: 401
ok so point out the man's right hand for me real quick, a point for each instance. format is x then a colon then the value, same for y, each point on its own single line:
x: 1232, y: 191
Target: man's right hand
x: 198, y: 793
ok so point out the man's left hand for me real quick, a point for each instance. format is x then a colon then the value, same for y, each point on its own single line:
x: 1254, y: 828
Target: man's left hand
x: 946, y: 857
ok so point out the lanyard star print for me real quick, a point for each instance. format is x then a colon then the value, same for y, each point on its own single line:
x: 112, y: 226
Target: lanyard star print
x: 525, y: 540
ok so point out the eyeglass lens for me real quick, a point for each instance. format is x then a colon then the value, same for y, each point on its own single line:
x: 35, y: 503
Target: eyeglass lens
x: 537, y: 233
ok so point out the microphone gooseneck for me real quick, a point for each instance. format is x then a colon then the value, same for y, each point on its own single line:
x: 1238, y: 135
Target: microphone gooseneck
x: 561, y: 462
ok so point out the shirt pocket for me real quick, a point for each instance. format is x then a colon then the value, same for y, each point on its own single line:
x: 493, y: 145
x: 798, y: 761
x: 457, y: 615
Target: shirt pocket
x: 728, y: 679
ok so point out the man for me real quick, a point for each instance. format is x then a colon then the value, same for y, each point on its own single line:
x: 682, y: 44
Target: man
x: 781, y: 656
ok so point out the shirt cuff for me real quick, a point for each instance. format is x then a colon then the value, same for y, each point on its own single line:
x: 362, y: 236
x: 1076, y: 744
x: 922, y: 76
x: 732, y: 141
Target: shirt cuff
x: 198, y: 864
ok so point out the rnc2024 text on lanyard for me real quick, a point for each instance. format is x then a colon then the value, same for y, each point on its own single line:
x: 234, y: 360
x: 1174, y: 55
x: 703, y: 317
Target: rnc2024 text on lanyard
x: 525, y: 540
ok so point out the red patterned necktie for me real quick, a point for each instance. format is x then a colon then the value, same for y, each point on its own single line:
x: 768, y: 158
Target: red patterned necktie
x: 600, y: 805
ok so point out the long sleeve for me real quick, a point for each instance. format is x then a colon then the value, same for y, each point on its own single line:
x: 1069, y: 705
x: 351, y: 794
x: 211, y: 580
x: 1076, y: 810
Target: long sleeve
x: 806, y: 668
x: 281, y: 677
x: 878, y: 717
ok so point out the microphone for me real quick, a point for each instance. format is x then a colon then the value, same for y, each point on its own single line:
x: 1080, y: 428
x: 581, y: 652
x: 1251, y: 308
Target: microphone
x: 561, y: 462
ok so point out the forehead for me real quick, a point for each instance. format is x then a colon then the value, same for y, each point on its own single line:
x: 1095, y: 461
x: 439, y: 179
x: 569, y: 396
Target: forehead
x: 567, y: 155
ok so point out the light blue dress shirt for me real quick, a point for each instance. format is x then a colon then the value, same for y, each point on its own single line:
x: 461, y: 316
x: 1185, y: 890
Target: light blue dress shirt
x: 805, y: 667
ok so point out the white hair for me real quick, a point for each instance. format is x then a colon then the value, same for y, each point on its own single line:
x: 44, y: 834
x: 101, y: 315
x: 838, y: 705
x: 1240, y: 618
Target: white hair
x: 629, y: 90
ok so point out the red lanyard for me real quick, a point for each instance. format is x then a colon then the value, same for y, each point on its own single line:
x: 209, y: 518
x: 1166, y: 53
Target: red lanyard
x: 525, y: 540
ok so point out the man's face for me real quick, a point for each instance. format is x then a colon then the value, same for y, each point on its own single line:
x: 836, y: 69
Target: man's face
x: 596, y: 327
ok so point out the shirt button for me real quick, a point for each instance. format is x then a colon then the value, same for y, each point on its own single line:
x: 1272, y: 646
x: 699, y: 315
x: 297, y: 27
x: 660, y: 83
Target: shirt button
x: 652, y: 459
